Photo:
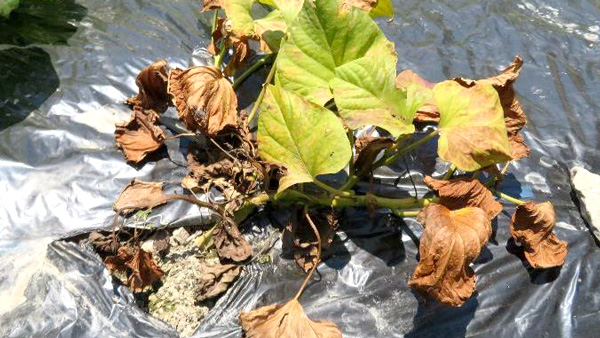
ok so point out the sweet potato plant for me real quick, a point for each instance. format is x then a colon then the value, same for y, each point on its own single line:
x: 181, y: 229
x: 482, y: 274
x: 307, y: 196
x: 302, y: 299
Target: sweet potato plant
x: 332, y: 77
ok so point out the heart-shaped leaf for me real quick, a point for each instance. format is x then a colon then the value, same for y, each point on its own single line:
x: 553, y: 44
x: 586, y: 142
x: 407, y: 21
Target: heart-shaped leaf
x: 450, y: 242
x: 325, y: 36
x: 307, y: 139
x: 472, y: 129
x: 365, y: 94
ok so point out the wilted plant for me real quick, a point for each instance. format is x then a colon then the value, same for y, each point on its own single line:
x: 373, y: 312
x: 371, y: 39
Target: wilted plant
x: 333, y: 73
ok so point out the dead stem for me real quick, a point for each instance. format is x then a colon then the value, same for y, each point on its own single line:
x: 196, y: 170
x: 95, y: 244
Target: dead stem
x: 312, y: 270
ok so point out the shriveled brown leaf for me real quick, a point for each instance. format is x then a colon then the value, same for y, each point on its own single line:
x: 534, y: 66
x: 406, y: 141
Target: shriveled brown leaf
x: 144, y: 271
x: 204, y: 99
x: 532, y: 226
x: 209, y: 5
x: 514, y: 116
x: 152, y: 84
x: 217, y: 34
x: 299, y: 237
x: 138, y: 264
x: 216, y: 280
x: 105, y: 244
x: 140, y: 135
x: 464, y: 192
x: 285, y: 321
x: 241, y: 53
x: 367, y: 149
x: 428, y: 112
x: 230, y: 244
x: 450, y: 242
x: 139, y: 195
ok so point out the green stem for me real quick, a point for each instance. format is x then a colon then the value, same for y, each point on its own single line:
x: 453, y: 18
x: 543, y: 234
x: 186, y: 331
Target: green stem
x: 261, y: 95
x: 331, y: 189
x: 219, y: 58
x: 507, y: 197
x: 351, y: 165
x: 215, y: 20
x: 261, y: 62
x: 352, y: 180
x: 393, y: 158
x: 450, y: 172
x: 405, y: 213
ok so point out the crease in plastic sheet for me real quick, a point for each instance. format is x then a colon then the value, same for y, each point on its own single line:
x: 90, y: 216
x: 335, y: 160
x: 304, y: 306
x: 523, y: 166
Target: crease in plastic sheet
x: 60, y: 95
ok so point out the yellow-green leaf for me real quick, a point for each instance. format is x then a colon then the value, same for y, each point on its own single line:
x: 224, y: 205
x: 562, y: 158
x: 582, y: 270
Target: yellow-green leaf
x: 384, y: 8
x: 307, y: 139
x: 324, y: 36
x: 365, y: 94
x: 472, y: 128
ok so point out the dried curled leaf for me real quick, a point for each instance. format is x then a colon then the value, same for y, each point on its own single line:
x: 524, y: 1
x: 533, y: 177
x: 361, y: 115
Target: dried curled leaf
x: 532, y: 226
x: 138, y: 264
x: 152, y: 84
x: 514, y: 116
x: 139, y: 195
x: 450, y: 242
x: 367, y: 149
x: 140, y: 135
x: 209, y: 5
x: 105, y: 244
x: 229, y: 242
x: 464, y: 192
x: 300, y: 238
x: 216, y: 280
x: 415, y: 85
x: 204, y: 99
x: 285, y: 321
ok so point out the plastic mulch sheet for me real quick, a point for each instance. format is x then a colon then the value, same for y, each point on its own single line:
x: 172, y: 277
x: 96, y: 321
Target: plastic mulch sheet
x: 66, y: 66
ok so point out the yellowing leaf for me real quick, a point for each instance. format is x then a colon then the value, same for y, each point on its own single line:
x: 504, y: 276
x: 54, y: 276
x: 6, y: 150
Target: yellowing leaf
x: 472, y: 130
x: 420, y: 92
x: 285, y: 321
x: 325, y: 36
x: 376, y: 8
x: 365, y: 94
x: 307, y: 139
x: 450, y: 242
x: 204, y: 99
x: 289, y: 9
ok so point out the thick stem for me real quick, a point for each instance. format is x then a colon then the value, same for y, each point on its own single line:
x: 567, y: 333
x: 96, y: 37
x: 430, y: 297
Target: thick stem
x: 331, y: 189
x: 314, y: 267
x: 261, y: 95
x: 215, y: 21
x: 400, y: 213
x: 219, y: 58
x: 450, y: 172
x: 261, y: 62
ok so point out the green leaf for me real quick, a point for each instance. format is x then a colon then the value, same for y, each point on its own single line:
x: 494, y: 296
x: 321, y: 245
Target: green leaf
x: 365, y: 94
x: 7, y: 6
x: 384, y: 8
x: 472, y: 128
x: 325, y: 36
x: 268, y: 30
x: 289, y: 8
x: 307, y: 139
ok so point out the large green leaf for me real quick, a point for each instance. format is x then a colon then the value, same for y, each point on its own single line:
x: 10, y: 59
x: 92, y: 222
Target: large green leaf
x: 365, y: 94
x: 324, y: 36
x: 7, y: 6
x: 472, y: 128
x: 268, y: 30
x: 307, y: 139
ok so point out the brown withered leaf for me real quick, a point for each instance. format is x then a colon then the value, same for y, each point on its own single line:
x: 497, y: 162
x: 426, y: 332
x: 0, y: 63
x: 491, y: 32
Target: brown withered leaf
x: 209, y: 5
x: 216, y: 280
x: 139, y: 136
x: 413, y: 82
x: 204, y: 99
x: 299, y: 237
x: 464, y: 192
x: 532, y: 225
x: 365, y: 5
x: 140, y: 195
x: 285, y: 321
x: 105, y: 244
x: 152, y: 84
x: 450, y: 242
x: 138, y: 264
x: 240, y: 46
x: 229, y: 242
x: 514, y: 116
x: 367, y: 149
